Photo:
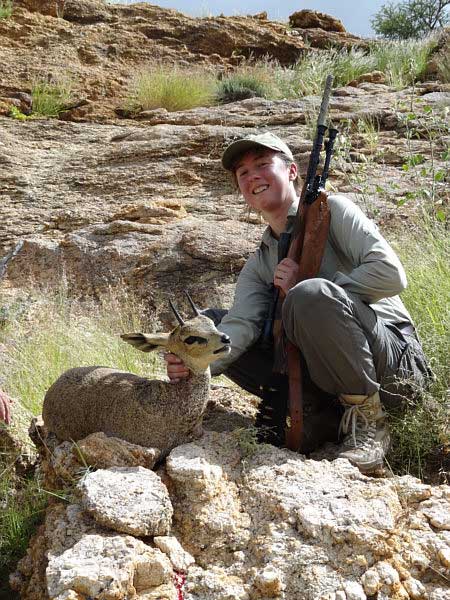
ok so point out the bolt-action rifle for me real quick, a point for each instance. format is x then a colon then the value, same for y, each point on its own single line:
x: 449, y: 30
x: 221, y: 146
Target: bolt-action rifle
x: 305, y: 245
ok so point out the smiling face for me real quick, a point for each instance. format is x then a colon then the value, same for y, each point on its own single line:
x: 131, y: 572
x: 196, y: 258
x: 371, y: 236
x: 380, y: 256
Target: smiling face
x: 266, y: 180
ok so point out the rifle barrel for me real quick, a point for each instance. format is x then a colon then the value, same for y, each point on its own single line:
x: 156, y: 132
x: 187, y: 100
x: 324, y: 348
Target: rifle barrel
x: 325, y: 100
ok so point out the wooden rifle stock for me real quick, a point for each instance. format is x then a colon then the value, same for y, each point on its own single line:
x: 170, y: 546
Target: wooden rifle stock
x: 307, y: 247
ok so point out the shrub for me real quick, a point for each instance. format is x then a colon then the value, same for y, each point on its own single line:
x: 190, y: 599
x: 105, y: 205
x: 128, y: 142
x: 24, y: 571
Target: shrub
x: 49, y: 99
x: 308, y: 75
x: 410, y: 19
x: 249, y: 81
x: 6, y: 8
x: 424, y: 428
x: 402, y: 61
x: 444, y: 67
x: 171, y: 88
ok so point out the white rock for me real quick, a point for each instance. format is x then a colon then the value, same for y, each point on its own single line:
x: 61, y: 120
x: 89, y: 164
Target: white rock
x: 180, y: 559
x: 354, y: 591
x: 269, y: 582
x: 86, y: 560
x: 371, y: 582
x: 440, y: 594
x: 437, y: 511
x: 444, y: 556
x: 188, y: 465
x: 411, y: 489
x: 388, y: 575
x: 214, y: 584
x: 128, y: 499
x: 415, y: 589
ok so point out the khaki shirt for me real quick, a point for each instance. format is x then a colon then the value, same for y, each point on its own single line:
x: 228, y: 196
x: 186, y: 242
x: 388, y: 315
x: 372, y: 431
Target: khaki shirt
x: 356, y: 257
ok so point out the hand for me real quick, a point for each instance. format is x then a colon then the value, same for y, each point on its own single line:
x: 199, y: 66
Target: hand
x: 176, y: 369
x: 5, y: 408
x: 286, y: 275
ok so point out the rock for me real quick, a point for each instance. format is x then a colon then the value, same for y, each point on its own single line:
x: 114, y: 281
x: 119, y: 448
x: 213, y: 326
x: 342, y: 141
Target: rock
x: 412, y: 490
x: 437, y: 511
x: 437, y: 98
x: 156, y: 212
x: 82, y: 560
x: 180, y: 559
x: 269, y: 583
x: 6, y: 104
x: 102, y: 452
x: 373, y: 77
x: 293, y: 526
x: 371, y: 582
x: 80, y: 11
x: 415, y: 589
x: 306, y: 19
x: 127, y: 499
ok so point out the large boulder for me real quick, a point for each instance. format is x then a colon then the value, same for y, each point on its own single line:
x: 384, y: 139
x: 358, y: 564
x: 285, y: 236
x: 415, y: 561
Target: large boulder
x: 82, y: 11
x: 71, y: 558
x: 265, y: 523
x: 311, y: 19
x: 127, y: 499
x: 249, y: 522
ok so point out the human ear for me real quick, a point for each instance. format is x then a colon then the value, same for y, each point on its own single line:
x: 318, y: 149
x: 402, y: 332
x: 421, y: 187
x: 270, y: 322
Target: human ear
x: 293, y: 172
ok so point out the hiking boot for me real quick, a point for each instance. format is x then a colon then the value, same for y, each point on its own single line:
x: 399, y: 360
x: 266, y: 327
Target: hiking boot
x: 367, y: 436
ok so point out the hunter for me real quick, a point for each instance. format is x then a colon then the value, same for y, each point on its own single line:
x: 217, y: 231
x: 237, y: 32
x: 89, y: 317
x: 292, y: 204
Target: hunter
x: 354, y: 333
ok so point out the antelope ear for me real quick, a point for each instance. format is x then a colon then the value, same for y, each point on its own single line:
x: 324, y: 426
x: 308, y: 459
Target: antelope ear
x: 146, y: 341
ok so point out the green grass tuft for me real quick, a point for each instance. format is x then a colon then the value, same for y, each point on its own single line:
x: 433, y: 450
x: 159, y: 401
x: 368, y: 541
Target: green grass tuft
x: 171, y: 88
x: 423, y: 428
x: 50, y: 99
x: 6, y: 9
x: 249, y: 81
x: 444, y: 67
x: 403, y: 62
x: 21, y: 509
x: 51, y: 336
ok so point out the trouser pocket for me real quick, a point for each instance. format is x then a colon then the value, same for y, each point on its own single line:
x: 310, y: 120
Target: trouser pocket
x: 404, y: 382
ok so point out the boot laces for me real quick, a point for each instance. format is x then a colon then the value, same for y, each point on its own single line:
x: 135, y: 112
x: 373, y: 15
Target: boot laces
x: 359, y: 422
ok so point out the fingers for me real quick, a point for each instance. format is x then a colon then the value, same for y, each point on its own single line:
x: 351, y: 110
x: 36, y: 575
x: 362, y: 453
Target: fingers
x: 288, y: 263
x: 5, y: 410
x: 286, y: 274
x: 176, y: 369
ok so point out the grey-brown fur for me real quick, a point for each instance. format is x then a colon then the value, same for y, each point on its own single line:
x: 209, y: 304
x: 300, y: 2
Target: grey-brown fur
x: 142, y: 411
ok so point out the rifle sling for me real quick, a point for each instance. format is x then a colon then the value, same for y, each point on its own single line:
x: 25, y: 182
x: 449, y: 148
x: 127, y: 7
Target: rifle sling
x: 316, y: 219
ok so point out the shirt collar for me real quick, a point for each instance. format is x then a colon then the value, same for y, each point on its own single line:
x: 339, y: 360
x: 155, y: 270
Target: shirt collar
x: 268, y: 238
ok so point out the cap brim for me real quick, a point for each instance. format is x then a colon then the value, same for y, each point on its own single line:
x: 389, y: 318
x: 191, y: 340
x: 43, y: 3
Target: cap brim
x: 235, y: 150
x: 239, y: 147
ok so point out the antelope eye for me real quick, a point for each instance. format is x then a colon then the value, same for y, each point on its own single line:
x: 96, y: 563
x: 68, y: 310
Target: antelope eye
x: 192, y: 339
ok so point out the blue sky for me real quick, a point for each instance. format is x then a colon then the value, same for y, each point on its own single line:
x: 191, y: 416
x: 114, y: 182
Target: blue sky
x: 355, y: 14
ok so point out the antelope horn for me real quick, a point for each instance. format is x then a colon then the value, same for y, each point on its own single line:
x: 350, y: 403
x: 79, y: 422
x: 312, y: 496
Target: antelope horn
x: 194, y: 308
x: 176, y: 313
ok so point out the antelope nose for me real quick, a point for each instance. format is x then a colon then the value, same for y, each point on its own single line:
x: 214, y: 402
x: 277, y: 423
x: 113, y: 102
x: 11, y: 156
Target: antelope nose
x: 225, y: 339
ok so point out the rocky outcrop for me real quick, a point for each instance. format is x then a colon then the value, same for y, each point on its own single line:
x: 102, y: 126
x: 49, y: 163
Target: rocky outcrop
x: 249, y: 522
x: 146, y: 205
x: 83, y: 560
x: 307, y: 19
x: 105, y: 45
x: 107, y: 203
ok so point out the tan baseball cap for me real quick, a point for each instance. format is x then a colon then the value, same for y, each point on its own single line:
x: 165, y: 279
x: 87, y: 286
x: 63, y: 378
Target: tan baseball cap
x: 264, y: 140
